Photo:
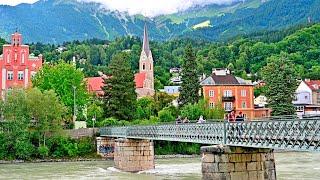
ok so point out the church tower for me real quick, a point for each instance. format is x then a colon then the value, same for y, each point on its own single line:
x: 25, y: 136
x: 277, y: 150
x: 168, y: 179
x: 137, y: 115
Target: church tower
x: 145, y: 78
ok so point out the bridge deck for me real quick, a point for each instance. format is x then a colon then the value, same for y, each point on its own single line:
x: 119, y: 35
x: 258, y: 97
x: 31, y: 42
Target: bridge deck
x: 301, y: 135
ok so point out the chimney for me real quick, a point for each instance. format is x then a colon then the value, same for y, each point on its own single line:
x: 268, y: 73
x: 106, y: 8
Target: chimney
x: 221, y: 71
x: 307, y: 80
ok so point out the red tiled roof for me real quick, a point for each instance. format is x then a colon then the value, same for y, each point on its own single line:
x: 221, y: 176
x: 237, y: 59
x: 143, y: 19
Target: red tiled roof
x: 313, y: 84
x: 139, y: 79
x: 95, y: 84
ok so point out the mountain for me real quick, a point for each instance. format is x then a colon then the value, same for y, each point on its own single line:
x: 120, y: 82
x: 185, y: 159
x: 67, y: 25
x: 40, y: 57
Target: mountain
x: 56, y: 21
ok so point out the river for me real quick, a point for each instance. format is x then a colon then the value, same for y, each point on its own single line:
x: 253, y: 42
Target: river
x: 290, y: 165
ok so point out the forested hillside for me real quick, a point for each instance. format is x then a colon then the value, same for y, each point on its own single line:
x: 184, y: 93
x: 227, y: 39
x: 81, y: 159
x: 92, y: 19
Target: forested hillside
x: 243, y: 55
x: 57, y: 21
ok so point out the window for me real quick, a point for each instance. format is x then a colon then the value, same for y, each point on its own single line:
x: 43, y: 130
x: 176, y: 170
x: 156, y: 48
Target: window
x: 243, y: 93
x: 8, y: 57
x: 211, y: 105
x: 228, y: 106
x: 143, y: 66
x: 305, y: 97
x: 22, y: 58
x: 10, y: 75
x: 299, y: 108
x: 244, y: 104
x: 211, y: 93
x: 227, y: 93
x: 20, y: 75
x: 15, y: 56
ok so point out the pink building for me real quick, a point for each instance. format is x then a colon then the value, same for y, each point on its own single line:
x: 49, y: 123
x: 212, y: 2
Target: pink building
x: 17, y: 65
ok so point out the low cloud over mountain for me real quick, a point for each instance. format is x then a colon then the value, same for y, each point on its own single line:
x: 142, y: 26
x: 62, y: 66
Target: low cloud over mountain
x: 152, y: 8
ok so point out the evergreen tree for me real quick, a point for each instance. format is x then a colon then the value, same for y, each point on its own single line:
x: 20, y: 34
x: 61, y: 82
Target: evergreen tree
x: 281, y: 83
x: 119, y: 91
x: 190, y: 83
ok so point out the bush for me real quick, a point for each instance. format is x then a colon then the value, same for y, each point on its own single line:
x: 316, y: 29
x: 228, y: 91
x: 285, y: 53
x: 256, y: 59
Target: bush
x: 43, y: 151
x: 165, y: 115
x: 108, y: 122
x: 86, y: 146
x: 23, y: 149
x: 192, y: 111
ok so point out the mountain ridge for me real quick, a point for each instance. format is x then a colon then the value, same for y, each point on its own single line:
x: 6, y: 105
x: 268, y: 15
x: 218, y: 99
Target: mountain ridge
x: 56, y: 21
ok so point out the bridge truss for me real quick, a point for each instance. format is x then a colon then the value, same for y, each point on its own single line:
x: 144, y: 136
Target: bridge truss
x: 296, y: 134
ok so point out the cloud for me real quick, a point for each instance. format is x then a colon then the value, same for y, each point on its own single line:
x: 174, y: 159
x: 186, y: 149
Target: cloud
x: 15, y: 2
x: 153, y: 8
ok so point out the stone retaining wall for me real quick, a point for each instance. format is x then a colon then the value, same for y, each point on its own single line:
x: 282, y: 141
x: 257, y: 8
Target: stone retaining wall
x: 133, y: 155
x: 79, y: 133
x: 237, y: 163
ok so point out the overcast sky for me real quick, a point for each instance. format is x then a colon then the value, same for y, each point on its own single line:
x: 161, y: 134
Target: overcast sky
x: 146, y: 7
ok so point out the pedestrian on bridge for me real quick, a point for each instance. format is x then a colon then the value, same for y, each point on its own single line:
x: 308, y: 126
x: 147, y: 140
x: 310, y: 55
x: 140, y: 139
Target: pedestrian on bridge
x: 201, y: 120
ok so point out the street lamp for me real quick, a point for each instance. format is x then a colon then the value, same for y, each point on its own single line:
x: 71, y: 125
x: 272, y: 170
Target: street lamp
x: 94, y: 119
x: 74, y: 104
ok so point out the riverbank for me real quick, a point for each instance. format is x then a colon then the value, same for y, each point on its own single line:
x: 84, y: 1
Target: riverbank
x: 91, y: 159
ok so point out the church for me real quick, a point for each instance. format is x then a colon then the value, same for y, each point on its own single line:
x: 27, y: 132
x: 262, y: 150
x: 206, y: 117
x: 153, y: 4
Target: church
x: 144, y: 80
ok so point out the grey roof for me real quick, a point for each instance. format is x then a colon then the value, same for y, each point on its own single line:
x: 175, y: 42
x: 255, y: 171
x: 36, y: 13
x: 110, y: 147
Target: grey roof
x: 224, y: 80
x: 146, y: 47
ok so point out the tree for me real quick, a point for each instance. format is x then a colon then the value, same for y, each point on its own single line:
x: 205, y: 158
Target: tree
x: 281, y: 83
x: 190, y: 83
x: 46, y: 111
x: 65, y: 80
x: 119, y: 91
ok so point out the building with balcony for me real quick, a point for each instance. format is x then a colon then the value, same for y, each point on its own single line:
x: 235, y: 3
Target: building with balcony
x: 18, y: 66
x: 233, y: 93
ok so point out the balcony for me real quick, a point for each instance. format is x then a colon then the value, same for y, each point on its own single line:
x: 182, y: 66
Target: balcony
x: 228, y: 98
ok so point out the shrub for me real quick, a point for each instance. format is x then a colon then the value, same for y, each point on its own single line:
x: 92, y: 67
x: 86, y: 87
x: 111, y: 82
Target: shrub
x: 108, y: 122
x: 192, y: 111
x: 165, y: 115
x: 85, y: 146
x: 43, y: 151
x: 23, y: 149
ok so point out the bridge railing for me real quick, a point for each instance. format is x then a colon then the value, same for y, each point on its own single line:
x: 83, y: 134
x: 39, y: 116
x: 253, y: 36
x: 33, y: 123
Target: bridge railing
x: 296, y: 134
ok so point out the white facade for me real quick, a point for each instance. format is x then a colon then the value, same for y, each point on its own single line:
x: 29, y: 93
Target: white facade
x: 303, y: 94
x: 260, y: 101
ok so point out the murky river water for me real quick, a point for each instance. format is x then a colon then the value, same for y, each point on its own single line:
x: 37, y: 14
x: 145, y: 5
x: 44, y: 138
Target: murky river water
x: 289, y: 166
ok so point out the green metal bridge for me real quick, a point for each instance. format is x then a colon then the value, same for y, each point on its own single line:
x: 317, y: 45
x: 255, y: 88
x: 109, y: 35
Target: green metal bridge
x: 277, y: 133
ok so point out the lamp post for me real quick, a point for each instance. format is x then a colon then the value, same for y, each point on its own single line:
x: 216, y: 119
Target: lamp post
x: 94, y: 119
x: 74, y: 104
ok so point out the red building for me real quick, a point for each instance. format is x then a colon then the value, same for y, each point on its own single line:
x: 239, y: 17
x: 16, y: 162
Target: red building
x: 233, y: 93
x: 17, y: 65
x: 95, y: 85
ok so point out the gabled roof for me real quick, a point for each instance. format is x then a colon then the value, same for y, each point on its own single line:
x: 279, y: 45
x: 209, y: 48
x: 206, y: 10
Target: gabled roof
x: 314, y: 85
x: 95, y: 84
x: 139, y: 79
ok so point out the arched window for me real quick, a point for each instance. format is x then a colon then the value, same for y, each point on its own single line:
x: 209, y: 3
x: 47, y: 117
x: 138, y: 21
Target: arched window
x: 143, y: 66
x: 150, y: 67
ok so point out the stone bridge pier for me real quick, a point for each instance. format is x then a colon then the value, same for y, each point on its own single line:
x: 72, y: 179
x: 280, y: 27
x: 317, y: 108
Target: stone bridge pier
x: 237, y: 163
x: 133, y: 155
